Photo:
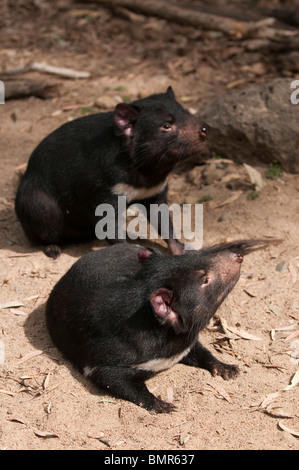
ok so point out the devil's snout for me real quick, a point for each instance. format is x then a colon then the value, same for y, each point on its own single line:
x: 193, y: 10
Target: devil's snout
x: 239, y: 257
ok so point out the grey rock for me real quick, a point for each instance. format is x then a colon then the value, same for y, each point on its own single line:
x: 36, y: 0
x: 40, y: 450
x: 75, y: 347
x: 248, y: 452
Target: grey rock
x: 106, y: 102
x: 256, y: 124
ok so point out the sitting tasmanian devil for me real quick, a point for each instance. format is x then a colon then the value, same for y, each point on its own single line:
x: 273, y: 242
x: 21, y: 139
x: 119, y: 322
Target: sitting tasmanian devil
x: 123, y: 313
x: 96, y: 158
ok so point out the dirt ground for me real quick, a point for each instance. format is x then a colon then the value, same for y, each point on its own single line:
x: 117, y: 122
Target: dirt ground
x: 44, y: 402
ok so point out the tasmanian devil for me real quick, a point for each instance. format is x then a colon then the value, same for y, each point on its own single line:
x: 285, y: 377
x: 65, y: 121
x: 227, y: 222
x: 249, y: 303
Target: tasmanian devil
x: 94, y: 159
x: 123, y: 313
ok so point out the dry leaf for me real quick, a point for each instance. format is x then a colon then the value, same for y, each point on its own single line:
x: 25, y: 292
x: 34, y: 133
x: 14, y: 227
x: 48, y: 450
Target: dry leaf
x: 223, y: 324
x: 184, y: 434
x: 254, y: 177
x: 250, y: 293
x: 221, y: 392
x: 37, y: 432
x: 293, y: 335
x: 29, y: 356
x: 17, y: 420
x: 46, y: 381
x: 269, y: 399
x: 56, y: 113
x: 7, y: 392
x: 231, y: 199
x: 271, y: 366
x: 20, y: 255
x: 273, y: 396
x: 106, y: 441
x: 17, y: 311
x: 11, y: 303
x: 284, y: 328
x: 278, y: 412
x: 287, y: 327
x: 47, y: 407
x: 274, y: 309
x: 55, y: 386
x: 184, y: 440
x: 169, y: 392
x: 32, y: 297
x: 287, y: 429
x: 294, y: 381
x: 96, y: 436
x: 230, y: 177
x: 100, y: 437
x: 243, y: 334
x: 235, y: 83
x: 44, y: 434
x: 226, y: 336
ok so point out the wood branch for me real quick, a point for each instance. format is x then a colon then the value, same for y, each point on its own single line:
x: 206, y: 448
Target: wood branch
x: 16, y: 89
x: 268, y: 46
x: 45, y: 68
x: 240, y: 29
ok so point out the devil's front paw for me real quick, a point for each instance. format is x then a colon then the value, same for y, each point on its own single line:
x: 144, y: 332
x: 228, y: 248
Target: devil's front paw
x: 160, y: 406
x: 226, y: 371
x: 52, y: 251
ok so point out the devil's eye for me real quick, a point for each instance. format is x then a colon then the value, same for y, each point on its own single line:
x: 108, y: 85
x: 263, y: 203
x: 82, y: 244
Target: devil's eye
x: 206, y: 280
x: 166, y: 126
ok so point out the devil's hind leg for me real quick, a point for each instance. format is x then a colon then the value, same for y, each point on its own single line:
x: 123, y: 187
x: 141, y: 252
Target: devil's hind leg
x: 41, y: 218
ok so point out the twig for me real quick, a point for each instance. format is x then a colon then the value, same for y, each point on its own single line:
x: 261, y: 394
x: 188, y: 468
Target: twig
x: 240, y: 29
x: 46, y: 68
x: 15, y: 89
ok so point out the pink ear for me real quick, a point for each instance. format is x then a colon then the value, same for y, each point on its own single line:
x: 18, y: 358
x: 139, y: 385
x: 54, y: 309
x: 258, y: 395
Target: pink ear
x: 125, y: 117
x: 161, y: 300
x: 144, y: 254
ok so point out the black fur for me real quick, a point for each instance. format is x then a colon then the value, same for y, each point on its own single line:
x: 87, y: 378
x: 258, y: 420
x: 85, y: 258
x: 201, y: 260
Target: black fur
x: 76, y: 167
x: 123, y: 306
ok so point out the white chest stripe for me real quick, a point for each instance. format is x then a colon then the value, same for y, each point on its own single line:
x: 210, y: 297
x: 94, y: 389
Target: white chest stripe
x: 156, y: 365
x: 137, y: 194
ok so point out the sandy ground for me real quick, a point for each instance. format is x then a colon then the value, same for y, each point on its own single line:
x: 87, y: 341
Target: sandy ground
x: 44, y: 402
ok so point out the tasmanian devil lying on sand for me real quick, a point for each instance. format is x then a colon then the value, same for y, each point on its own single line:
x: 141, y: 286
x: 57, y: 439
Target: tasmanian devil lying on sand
x: 94, y: 159
x: 123, y: 313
